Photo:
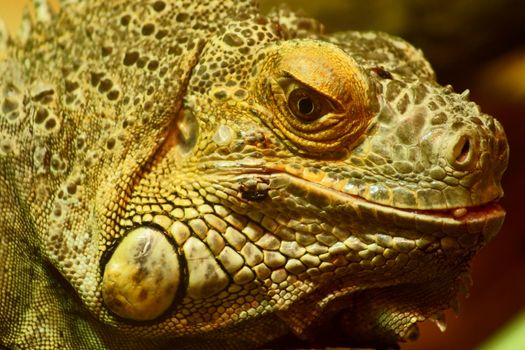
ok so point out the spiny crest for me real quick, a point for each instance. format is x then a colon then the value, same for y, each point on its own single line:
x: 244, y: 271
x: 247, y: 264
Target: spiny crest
x: 26, y: 25
x: 43, y: 13
x: 4, y: 36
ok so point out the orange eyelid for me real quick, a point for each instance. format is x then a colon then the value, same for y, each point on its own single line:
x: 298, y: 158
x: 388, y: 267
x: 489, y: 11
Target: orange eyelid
x: 333, y: 74
x: 334, y: 105
x: 330, y: 74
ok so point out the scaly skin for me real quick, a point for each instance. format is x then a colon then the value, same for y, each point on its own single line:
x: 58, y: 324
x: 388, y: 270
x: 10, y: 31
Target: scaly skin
x: 180, y: 174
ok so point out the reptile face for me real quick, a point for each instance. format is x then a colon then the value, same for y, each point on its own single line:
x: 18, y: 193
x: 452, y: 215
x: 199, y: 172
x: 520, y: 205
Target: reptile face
x: 214, y: 179
x: 315, y: 181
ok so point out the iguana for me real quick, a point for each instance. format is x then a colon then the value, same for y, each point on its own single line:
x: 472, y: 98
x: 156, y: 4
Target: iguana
x: 196, y: 175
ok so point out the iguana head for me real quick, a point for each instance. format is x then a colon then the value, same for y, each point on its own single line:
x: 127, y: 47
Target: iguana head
x: 325, y: 179
x: 214, y: 177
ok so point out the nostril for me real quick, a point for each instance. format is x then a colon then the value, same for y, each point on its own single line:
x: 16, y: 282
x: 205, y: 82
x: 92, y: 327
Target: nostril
x: 463, y: 152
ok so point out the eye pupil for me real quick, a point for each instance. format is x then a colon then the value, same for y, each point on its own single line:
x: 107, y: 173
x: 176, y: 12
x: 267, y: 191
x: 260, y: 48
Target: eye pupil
x: 305, y: 105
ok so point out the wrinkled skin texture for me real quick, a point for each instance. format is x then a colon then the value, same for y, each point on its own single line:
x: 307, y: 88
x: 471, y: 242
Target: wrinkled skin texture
x: 176, y: 174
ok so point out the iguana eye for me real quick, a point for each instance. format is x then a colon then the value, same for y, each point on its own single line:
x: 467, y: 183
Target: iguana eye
x: 306, y: 105
x: 316, y: 95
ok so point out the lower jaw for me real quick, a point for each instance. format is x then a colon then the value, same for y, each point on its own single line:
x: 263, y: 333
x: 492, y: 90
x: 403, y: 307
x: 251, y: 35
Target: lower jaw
x: 376, y: 316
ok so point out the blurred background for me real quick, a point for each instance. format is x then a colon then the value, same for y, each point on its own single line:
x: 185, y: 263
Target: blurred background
x: 474, y: 44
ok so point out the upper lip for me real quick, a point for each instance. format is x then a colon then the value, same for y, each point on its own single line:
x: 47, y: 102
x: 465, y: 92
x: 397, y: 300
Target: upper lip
x: 484, y: 219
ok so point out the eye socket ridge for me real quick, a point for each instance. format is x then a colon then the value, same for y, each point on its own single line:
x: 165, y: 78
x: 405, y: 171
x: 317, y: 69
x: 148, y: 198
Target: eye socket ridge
x: 305, y: 103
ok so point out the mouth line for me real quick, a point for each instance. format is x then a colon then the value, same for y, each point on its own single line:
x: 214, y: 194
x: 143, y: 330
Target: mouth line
x: 486, y: 218
x: 460, y: 214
